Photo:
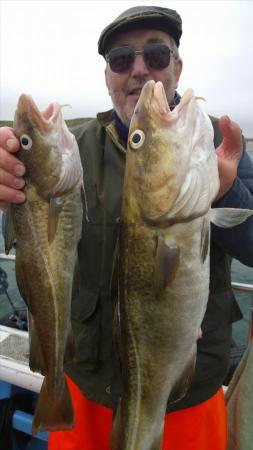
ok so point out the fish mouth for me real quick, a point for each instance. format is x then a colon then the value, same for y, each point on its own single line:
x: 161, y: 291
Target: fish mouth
x: 153, y: 101
x: 28, y: 115
x: 153, y: 96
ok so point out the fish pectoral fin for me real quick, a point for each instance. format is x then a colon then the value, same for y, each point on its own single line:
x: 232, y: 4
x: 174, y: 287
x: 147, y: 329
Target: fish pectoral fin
x: 55, y: 207
x: 229, y: 217
x: 166, y: 263
x: 36, y: 359
x: 182, y: 385
x: 8, y: 231
x: 53, y: 414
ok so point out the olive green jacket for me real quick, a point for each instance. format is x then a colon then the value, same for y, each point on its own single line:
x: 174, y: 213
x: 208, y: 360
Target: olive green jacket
x: 96, y: 369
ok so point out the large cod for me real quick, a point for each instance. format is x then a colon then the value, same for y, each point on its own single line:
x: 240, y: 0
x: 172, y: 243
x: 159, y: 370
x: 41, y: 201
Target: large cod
x: 171, y: 179
x: 239, y: 398
x: 46, y: 229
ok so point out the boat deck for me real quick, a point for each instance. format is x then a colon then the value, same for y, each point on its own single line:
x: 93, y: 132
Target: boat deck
x: 14, y: 363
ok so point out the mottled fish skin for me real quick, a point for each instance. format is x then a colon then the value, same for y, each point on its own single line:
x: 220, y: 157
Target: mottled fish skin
x: 47, y: 229
x: 170, y: 181
x: 239, y: 398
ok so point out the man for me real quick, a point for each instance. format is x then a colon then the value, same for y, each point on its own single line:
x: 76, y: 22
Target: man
x: 136, y: 49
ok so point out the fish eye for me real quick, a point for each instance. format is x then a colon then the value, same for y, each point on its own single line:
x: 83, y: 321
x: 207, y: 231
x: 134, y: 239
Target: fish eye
x: 26, y: 142
x: 137, y: 139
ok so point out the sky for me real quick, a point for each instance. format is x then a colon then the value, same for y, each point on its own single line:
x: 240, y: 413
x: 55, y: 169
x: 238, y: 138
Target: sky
x: 48, y: 49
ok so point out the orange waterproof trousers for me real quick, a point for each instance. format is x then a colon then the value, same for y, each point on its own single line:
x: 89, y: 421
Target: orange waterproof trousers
x: 201, y: 427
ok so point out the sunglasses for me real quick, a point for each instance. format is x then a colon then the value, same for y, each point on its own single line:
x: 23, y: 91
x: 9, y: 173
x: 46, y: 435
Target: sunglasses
x: 156, y: 56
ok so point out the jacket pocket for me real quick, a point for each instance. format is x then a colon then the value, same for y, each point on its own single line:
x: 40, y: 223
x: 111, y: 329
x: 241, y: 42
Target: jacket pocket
x: 85, y: 317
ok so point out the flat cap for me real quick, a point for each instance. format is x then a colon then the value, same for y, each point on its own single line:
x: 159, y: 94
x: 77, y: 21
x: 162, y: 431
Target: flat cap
x: 138, y: 17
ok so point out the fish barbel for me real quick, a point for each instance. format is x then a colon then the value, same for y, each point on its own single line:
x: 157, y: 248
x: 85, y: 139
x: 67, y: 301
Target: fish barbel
x: 47, y: 229
x: 171, y: 179
x: 239, y: 399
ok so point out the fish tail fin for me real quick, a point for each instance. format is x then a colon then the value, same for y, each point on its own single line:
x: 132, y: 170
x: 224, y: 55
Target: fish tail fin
x: 53, y: 414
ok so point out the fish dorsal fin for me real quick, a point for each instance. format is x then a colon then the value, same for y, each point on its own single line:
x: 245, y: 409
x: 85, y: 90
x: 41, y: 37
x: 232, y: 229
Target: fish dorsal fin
x: 166, y: 263
x: 229, y: 217
x: 55, y: 207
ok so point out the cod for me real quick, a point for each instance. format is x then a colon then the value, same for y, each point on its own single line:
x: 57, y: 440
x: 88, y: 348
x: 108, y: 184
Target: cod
x: 239, y: 399
x: 171, y: 179
x: 46, y: 229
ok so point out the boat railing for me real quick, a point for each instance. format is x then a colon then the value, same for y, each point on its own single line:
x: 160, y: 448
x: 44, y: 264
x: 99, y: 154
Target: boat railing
x: 237, y: 287
x: 4, y: 257
x: 245, y: 287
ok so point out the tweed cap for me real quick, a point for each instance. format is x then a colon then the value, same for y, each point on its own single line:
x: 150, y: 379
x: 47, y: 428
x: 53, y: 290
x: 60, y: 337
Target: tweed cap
x: 138, y: 17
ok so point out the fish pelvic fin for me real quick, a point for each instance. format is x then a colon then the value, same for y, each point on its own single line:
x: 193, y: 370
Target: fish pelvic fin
x: 229, y: 217
x: 53, y: 414
x: 166, y: 263
x: 55, y: 207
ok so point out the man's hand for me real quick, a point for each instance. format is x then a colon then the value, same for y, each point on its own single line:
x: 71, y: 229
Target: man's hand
x: 11, y: 169
x: 229, y: 154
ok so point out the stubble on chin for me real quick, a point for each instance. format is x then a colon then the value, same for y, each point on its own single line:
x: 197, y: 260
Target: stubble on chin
x: 125, y: 114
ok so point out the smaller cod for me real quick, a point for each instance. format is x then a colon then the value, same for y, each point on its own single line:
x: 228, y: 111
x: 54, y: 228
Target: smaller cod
x: 46, y: 229
x: 239, y: 398
x: 171, y: 179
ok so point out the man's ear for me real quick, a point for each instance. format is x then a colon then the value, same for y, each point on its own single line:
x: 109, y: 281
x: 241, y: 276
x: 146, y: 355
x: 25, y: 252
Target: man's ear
x: 178, y: 68
x: 107, y: 82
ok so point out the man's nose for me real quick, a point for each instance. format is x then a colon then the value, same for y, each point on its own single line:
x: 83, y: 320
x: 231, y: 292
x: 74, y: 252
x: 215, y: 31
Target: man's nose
x: 139, y: 66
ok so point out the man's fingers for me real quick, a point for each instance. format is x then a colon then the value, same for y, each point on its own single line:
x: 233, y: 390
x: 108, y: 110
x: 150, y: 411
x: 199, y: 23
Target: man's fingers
x: 232, y: 136
x: 8, y: 140
x: 11, y: 164
x: 10, y: 195
x: 7, y: 179
x: 225, y: 124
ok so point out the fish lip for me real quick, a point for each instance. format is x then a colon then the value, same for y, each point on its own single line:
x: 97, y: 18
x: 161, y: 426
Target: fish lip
x: 160, y: 95
x: 147, y: 93
x: 28, y: 112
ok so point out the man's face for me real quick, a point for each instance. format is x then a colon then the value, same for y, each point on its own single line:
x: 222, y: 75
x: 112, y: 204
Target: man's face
x: 124, y: 88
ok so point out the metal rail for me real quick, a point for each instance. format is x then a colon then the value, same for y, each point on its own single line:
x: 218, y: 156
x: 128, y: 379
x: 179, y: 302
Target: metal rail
x: 242, y: 287
x: 4, y: 257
